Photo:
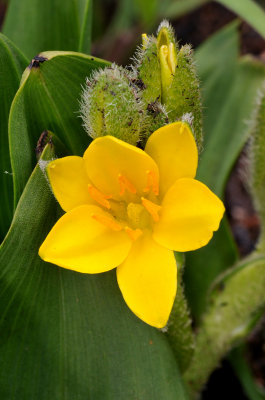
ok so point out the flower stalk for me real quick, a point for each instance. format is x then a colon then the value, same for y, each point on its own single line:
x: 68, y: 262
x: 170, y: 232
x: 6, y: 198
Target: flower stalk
x: 234, y: 307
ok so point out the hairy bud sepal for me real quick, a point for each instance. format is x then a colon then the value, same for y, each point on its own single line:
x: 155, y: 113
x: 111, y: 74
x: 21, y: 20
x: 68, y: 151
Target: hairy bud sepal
x: 111, y: 105
x: 183, y: 95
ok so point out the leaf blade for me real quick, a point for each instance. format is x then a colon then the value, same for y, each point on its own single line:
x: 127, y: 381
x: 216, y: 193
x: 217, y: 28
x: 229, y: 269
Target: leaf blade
x: 48, y: 100
x: 12, y: 63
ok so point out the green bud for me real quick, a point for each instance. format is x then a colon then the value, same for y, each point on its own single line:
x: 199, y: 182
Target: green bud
x: 183, y: 95
x: 257, y: 163
x: 111, y: 105
x: 148, y: 71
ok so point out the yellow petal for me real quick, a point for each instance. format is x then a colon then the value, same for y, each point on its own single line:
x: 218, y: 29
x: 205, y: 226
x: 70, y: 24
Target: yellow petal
x: 174, y: 150
x: 69, y: 182
x: 148, y: 281
x: 189, y: 215
x: 86, y: 239
x: 117, y: 168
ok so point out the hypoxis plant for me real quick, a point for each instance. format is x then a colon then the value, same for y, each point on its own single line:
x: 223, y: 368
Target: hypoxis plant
x: 131, y: 198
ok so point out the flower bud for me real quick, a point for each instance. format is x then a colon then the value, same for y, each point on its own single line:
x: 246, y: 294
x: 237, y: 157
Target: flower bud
x: 111, y: 105
x: 180, y: 85
x: 148, y: 70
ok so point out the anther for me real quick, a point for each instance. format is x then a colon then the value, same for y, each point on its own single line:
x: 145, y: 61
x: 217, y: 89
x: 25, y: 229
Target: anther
x: 107, y: 221
x: 125, y: 184
x: 152, y: 208
x: 152, y: 183
x: 99, y: 197
x: 133, y: 233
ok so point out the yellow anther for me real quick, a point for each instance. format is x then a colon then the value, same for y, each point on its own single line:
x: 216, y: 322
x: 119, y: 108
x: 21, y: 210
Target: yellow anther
x: 99, y: 197
x: 109, y: 222
x: 133, y: 233
x: 144, y: 40
x: 152, y: 183
x: 125, y: 184
x: 152, y: 208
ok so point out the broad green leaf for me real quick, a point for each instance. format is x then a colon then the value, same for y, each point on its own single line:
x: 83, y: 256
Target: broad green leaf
x: 204, y: 265
x: 229, y: 87
x: 147, y: 11
x: 12, y: 64
x: 36, y: 25
x: 48, y: 99
x: 238, y: 359
x: 85, y: 17
x: 177, y: 8
x: 248, y: 10
x: 66, y: 335
x: 227, y: 134
x: 122, y: 20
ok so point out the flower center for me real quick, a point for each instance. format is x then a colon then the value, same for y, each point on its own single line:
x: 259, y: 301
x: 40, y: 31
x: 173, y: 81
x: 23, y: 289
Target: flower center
x: 132, y: 213
x: 138, y: 217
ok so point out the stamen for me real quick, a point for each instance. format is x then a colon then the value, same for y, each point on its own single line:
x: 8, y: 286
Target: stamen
x: 133, y: 233
x: 152, y: 208
x: 152, y: 183
x: 182, y: 127
x: 107, y: 221
x: 125, y: 184
x: 99, y: 197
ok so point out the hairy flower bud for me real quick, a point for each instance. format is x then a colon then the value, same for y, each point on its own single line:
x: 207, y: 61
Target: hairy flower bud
x: 148, y: 70
x: 180, y: 85
x: 111, y: 105
x: 169, y: 81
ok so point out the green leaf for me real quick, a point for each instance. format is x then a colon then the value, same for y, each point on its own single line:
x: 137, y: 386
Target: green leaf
x: 36, y: 25
x: 229, y: 131
x: 217, y: 76
x: 177, y: 8
x: 243, y: 371
x: 66, y: 335
x: 229, y: 90
x: 248, y: 10
x: 229, y: 87
x: 147, y: 11
x: 12, y: 64
x: 85, y: 16
x: 48, y: 99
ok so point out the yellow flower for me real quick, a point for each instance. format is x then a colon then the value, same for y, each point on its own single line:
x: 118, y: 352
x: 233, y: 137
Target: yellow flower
x: 129, y: 208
